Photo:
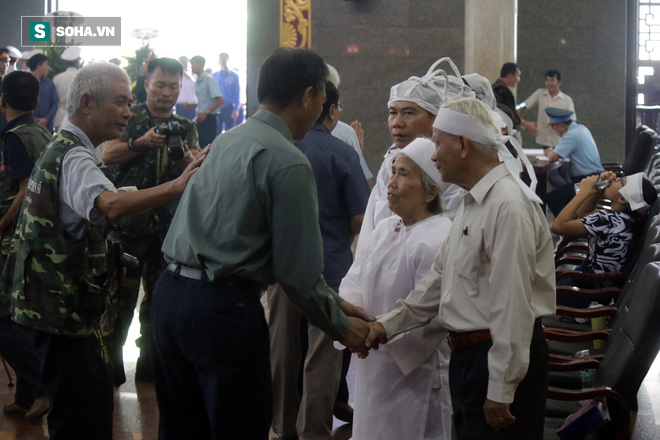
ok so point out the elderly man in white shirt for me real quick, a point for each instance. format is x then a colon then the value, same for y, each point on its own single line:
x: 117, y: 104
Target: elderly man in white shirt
x: 489, y: 285
x: 71, y: 57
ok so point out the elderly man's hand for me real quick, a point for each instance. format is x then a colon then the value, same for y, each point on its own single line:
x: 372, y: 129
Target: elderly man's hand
x: 179, y: 184
x: 356, y: 336
x: 150, y: 139
x: 375, y: 337
x: 498, y: 415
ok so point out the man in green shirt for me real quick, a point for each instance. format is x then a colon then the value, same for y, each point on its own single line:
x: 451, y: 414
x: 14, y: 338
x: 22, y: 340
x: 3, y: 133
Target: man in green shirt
x: 249, y: 219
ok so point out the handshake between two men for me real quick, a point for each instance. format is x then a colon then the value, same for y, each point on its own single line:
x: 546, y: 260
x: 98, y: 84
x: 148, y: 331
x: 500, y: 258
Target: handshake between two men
x: 364, y: 333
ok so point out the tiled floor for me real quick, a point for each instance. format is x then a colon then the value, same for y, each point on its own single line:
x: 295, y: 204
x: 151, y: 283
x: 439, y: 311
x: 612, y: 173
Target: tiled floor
x: 136, y: 414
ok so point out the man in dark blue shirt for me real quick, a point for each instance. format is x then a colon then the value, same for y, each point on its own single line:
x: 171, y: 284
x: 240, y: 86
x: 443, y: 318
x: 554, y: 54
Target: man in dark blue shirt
x: 48, y: 99
x: 228, y: 83
x: 342, y: 194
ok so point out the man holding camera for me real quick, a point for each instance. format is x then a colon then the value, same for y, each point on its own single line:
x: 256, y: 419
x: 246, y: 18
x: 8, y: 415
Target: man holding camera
x: 56, y: 271
x: 143, y: 158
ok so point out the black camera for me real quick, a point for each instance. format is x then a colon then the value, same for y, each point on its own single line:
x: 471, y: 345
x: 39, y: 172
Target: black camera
x: 117, y: 259
x: 174, y: 134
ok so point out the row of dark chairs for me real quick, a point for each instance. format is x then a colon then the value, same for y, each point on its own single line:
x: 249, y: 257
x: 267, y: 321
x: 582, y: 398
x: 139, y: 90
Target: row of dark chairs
x: 632, y: 341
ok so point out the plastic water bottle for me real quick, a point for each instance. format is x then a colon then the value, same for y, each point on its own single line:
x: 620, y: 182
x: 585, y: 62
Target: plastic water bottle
x: 600, y: 185
x: 587, y: 374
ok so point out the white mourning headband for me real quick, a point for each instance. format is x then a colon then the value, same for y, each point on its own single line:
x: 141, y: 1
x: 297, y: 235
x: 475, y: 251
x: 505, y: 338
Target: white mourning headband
x: 633, y: 192
x: 457, y: 123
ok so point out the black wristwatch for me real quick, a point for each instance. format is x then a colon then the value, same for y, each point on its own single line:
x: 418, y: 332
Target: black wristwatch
x: 131, y: 146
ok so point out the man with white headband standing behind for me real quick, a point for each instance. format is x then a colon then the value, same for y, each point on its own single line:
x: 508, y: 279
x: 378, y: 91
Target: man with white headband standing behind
x: 412, y: 106
x: 489, y: 285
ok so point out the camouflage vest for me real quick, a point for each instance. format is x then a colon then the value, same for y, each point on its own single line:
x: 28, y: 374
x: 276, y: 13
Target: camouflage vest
x: 34, y: 138
x: 150, y: 169
x: 57, y: 283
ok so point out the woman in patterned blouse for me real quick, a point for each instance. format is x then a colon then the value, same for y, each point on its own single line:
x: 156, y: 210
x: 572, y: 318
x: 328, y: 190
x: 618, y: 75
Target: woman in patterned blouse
x: 611, y: 232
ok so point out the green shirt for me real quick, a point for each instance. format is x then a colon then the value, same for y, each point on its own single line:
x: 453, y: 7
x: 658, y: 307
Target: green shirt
x: 251, y: 212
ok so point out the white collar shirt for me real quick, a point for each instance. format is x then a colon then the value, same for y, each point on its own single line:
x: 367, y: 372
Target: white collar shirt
x: 187, y: 93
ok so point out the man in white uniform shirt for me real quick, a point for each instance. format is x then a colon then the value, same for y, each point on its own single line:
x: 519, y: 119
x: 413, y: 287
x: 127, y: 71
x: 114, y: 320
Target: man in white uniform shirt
x: 71, y: 57
x: 551, y: 96
x: 186, y: 103
x: 489, y: 285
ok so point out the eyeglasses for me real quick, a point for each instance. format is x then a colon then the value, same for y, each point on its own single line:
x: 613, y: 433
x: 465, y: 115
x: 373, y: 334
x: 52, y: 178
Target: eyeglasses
x: 341, y: 106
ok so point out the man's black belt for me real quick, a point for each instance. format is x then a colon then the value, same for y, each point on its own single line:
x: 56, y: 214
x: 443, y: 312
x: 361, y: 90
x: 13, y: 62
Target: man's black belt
x: 199, y: 274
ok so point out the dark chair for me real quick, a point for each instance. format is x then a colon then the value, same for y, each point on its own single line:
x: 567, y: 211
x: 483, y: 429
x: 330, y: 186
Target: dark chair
x: 638, y: 155
x: 632, y: 348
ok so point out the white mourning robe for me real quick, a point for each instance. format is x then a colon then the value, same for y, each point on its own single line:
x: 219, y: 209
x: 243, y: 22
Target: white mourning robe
x: 402, y: 389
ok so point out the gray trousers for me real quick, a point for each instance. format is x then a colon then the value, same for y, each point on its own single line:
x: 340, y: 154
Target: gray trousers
x: 308, y: 417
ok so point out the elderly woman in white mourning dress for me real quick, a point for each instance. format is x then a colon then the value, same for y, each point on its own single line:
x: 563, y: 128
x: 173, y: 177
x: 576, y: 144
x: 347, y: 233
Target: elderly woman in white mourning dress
x: 402, y: 390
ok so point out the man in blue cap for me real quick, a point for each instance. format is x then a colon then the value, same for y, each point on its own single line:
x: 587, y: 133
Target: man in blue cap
x: 577, y: 145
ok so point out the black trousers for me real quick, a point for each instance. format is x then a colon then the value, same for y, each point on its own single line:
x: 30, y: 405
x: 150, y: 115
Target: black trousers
x: 211, y: 361
x: 17, y: 347
x: 206, y: 130
x: 468, y: 382
x: 225, y: 122
x: 76, y: 381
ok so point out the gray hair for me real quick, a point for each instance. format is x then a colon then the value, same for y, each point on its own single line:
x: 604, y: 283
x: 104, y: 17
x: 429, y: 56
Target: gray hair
x: 96, y: 81
x: 478, y: 110
x: 429, y: 185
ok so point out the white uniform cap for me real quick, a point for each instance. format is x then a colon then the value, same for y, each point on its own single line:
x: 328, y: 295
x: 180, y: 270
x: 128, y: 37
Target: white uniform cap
x: 420, y: 151
x: 31, y: 53
x: 333, y: 75
x: 13, y: 52
x: 432, y: 90
x: 71, y: 53
x: 633, y: 192
x: 482, y: 88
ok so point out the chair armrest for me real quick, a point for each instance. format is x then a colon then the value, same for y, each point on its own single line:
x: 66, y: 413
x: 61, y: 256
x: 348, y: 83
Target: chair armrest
x: 568, y: 363
x: 593, y: 294
x: 572, y: 259
x: 593, y: 312
x: 589, y: 276
x: 574, y: 247
x: 564, y: 335
x: 584, y: 393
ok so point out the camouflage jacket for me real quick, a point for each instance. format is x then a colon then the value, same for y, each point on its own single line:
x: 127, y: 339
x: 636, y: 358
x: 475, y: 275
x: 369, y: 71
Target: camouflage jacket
x: 34, y: 138
x: 57, y: 283
x: 150, y: 169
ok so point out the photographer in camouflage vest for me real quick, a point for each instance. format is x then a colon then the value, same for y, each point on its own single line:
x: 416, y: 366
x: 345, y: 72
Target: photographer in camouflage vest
x: 24, y: 140
x: 56, y: 270
x: 140, y: 158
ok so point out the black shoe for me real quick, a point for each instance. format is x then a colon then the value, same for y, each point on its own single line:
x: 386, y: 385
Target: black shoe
x: 343, y: 411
